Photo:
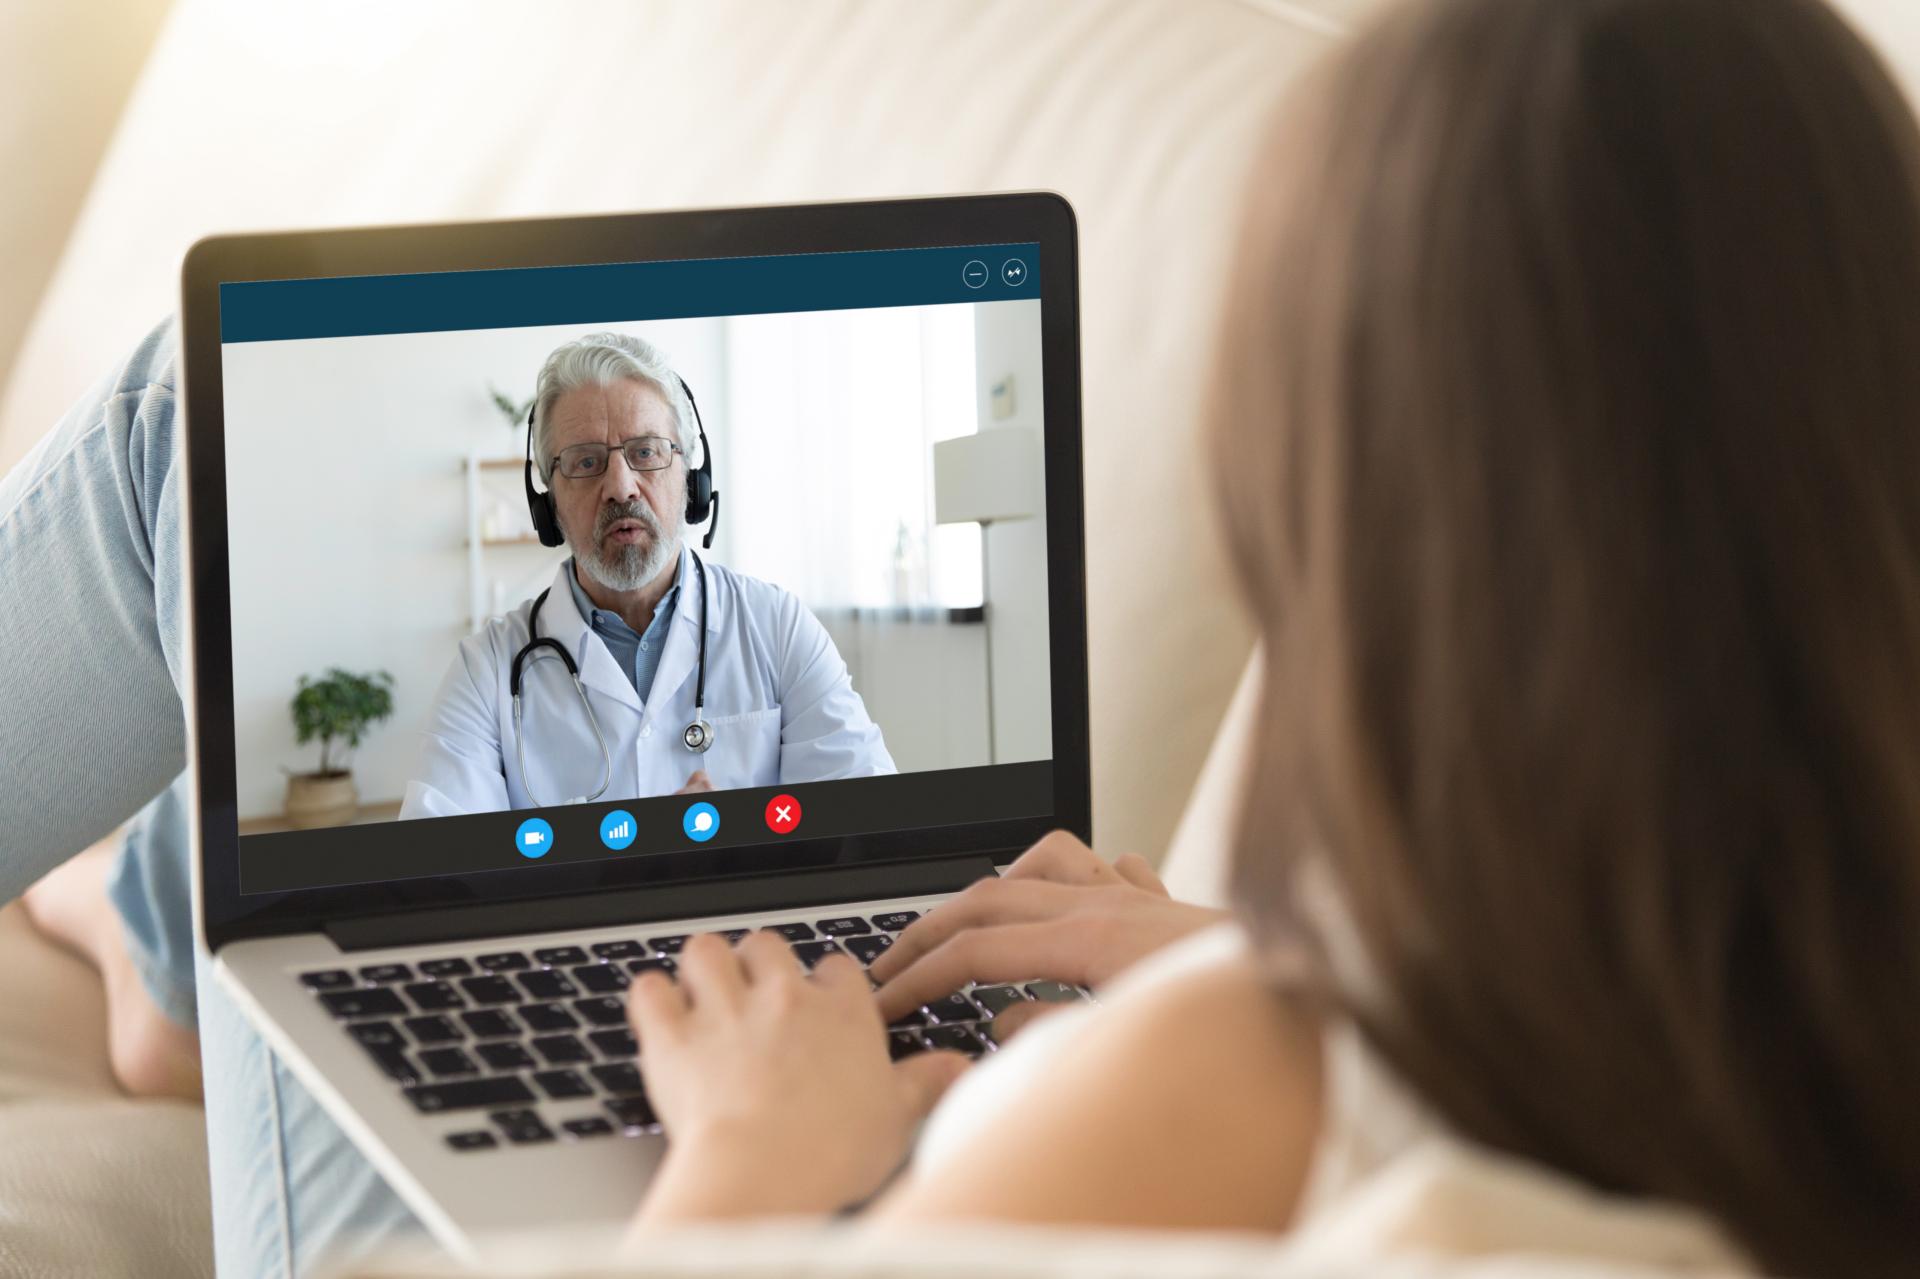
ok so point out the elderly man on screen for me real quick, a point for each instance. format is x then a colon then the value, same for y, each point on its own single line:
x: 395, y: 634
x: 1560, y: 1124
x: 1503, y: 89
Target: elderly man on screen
x: 634, y: 612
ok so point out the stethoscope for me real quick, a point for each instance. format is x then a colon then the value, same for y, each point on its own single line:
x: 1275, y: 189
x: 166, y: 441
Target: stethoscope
x: 697, y: 736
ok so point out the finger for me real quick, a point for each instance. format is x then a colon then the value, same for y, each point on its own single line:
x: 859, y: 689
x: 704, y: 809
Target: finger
x: 986, y: 903
x: 710, y: 973
x: 768, y: 957
x: 841, y: 973
x: 925, y: 1077
x: 1061, y: 857
x: 1013, y: 952
x: 656, y: 1007
x: 1139, y: 872
x: 1019, y: 1017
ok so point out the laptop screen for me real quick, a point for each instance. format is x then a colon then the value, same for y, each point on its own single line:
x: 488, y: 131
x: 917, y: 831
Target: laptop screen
x: 768, y: 565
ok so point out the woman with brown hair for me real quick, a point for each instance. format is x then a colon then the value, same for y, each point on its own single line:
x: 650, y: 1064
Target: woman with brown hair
x: 1568, y: 440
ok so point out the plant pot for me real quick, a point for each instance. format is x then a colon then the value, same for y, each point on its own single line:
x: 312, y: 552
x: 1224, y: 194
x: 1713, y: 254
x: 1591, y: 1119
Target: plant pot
x: 320, y: 799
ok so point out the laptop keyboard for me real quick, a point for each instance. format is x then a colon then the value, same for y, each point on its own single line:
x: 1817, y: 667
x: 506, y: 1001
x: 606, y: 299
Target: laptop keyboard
x: 515, y: 1034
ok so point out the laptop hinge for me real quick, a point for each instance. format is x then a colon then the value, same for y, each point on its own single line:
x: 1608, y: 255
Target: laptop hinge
x: 673, y: 901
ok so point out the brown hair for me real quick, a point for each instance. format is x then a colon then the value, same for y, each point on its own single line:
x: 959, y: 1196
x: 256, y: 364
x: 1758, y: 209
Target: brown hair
x: 1569, y: 440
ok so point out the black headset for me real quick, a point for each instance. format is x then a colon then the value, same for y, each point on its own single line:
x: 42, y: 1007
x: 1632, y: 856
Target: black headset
x: 703, y: 500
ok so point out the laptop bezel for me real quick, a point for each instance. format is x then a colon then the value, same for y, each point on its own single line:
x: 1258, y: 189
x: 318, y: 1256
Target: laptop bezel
x: 697, y: 875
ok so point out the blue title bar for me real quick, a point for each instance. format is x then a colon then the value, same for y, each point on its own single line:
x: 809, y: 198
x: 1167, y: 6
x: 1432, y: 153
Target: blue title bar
x: 521, y: 297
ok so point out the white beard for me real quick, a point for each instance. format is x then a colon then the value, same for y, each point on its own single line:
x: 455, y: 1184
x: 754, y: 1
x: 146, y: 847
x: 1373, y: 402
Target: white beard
x: 632, y: 566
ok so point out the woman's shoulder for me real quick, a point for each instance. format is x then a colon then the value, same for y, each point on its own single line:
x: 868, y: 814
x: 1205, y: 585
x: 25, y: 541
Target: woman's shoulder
x: 1188, y: 1099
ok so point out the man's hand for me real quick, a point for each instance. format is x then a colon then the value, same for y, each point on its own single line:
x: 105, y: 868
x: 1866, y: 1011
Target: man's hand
x: 1061, y: 912
x: 697, y: 782
x: 774, y: 1086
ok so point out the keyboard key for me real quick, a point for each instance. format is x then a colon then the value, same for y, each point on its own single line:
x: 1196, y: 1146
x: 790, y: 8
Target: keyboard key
x: 466, y: 1094
x: 997, y: 999
x: 445, y: 967
x: 375, y: 1034
x: 1053, y: 992
x: 547, y: 1017
x: 960, y: 1038
x: 477, y: 1139
x: 812, y: 952
x: 563, y: 1085
x: 600, y: 979
x: 657, y: 964
x: 735, y: 935
x: 622, y: 1080
x: 386, y: 973
x: 795, y: 931
x: 914, y: 1018
x: 506, y: 1056
x: 434, y: 996
x: 561, y: 955
x: 895, y: 921
x: 847, y: 926
x: 547, y: 984
x: 619, y: 949
x: 955, y: 1007
x: 632, y: 1112
x: 490, y: 1024
x: 590, y: 1127
x: 522, y: 1127
x: 376, y: 1001
x: 331, y: 979
x: 667, y: 945
x: 561, y: 1050
x: 490, y: 990
x: 604, y: 1011
x: 447, y: 1061
x: 393, y: 1062
x: 433, y: 1030
x: 504, y: 961
x: 615, y: 1043
x: 867, y: 949
x: 903, y: 1043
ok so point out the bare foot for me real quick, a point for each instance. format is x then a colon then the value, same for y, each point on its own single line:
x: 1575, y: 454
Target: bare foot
x: 152, y: 1055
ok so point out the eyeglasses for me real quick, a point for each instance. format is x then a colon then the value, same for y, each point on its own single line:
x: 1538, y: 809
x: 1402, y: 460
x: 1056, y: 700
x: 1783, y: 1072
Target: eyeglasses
x: 589, y: 461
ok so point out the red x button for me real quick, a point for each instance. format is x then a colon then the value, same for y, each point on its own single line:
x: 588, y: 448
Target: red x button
x: 783, y: 814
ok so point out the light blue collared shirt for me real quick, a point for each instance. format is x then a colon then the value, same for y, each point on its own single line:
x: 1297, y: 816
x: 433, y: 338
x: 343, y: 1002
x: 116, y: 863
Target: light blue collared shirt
x: 638, y: 656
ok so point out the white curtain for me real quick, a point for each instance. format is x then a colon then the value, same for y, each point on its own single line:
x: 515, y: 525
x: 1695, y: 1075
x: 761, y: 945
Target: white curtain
x: 828, y: 457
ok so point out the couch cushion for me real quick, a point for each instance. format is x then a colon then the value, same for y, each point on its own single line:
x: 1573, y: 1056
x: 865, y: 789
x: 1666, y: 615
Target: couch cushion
x: 92, y: 1183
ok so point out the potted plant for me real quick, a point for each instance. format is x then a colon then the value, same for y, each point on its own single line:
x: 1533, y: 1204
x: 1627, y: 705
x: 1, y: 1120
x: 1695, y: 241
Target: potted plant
x: 339, y: 707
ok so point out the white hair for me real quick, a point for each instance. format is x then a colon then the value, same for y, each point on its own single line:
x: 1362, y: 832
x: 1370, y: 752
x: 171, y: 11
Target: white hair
x: 600, y: 359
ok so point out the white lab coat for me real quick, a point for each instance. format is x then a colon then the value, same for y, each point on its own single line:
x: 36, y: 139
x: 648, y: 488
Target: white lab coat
x: 781, y: 704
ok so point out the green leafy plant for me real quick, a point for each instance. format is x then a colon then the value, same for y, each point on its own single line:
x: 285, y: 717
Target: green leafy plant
x: 516, y: 414
x: 340, y: 706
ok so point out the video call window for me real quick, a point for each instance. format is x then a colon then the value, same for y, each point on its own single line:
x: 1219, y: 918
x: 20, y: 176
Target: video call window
x: 875, y: 592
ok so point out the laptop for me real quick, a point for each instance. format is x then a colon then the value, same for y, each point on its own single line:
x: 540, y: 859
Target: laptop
x: 770, y: 614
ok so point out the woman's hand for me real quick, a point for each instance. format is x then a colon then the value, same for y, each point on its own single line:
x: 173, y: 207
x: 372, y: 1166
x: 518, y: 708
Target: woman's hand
x: 1061, y: 912
x: 774, y: 1086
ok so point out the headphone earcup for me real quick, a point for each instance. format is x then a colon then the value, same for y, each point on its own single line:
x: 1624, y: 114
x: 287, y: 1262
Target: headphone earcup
x: 699, y: 495
x: 539, y: 505
x: 545, y: 522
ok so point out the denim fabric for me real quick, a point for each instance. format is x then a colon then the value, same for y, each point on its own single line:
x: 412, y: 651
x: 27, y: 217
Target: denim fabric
x: 92, y: 572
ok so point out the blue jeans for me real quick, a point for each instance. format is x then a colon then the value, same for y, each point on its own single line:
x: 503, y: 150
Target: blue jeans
x: 92, y: 574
